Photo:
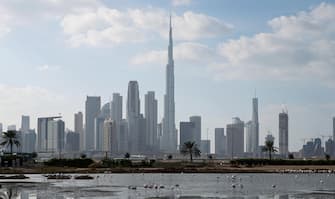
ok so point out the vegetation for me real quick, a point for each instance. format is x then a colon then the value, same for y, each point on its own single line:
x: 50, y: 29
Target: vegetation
x: 79, y: 163
x: 260, y: 162
x: 170, y: 157
x: 269, y: 148
x: 10, y: 138
x: 127, y: 155
x: 191, y: 149
x: 327, y: 156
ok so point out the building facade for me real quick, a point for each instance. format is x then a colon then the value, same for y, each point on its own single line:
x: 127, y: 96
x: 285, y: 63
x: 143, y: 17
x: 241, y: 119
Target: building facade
x: 283, y: 134
x: 92, y: 109
x: 235, y: 138
x: 220, y: 142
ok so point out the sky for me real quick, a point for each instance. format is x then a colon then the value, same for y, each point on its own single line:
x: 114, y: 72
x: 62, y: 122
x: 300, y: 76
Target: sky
x: 56, y: 52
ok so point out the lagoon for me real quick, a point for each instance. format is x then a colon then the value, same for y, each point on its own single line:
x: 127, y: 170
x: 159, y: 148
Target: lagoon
x: 181, y: 185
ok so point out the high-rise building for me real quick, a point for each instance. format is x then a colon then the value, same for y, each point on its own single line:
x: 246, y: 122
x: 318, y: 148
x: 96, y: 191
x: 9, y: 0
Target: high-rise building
x: 72, y: 141
x: 186, y: 133
x: 334, y: 129
x: 197, y: 131
x: 151, y: 121
x: 133, y: 115
x: 116, y: 114
x: 205, y: 146
x: 79, y: 128
x: 248, y: 136
x: 99, y: 132
x: 25, y: 123
x: 220, y: 142
x: 235, y: 138
x: 11, y: 127
x: 283, y: 134
x: 123, y: 137
x: 255, y: 127
x: 92, y: 110
x: 169, y: 144
x: 56, y: 136
x: 117, y: 107
x: 110, y: 143
x: 142, y: 127
x: 44, y: 131
x: 1, y: 128
x: 330, y: 147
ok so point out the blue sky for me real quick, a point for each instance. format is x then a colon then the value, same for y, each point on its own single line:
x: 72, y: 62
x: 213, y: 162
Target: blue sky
x: 55, y: 52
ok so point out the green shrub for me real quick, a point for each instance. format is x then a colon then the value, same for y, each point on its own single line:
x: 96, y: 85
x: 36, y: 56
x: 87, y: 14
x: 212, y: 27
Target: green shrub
x: 79, y: 163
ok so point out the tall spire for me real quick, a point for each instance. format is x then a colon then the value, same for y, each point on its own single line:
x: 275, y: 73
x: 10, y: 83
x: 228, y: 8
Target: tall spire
x: 170, y: 50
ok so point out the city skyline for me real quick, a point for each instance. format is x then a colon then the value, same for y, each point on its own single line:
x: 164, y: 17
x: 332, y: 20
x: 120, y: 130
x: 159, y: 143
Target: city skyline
x: 41, y: 73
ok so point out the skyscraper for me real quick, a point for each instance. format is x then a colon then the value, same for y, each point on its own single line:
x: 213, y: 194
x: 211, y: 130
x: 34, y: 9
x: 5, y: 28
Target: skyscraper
x: 79, y: 128
x: 44, y: 129
x: 92, y: 109
x: 133, y: 114
x: 255, y: 126
x: 25, y: 123
x: 56, y: 136
x: 150, y: 115
x: 169, y: 144
x: 186, y: 133
x: 334, y: 129
x: 235, y: 138
x: 117, y: 107
x: 249, y: 136
x: 197, y: 131
x: 283, y: 134
x: 72, y: 141
x: 205, y: 146
x: 220, y: 142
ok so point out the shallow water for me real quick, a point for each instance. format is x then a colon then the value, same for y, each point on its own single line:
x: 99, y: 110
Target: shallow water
x: 175, y: 186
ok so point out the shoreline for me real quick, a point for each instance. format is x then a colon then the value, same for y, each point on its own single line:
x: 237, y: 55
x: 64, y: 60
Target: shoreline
x: 226, y: 169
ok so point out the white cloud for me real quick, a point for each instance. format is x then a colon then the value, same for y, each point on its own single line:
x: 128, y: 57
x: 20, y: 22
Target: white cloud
x: 299, y: 46
x: 105, y: 26
x: 188, y: 51
x: 47, y: 67
x: 181, y: 2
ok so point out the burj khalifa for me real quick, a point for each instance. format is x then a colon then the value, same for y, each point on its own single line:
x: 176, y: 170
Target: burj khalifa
x: 169, y: 142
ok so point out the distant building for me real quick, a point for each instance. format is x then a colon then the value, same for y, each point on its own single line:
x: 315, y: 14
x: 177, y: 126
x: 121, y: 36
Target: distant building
x: 45, y: 133
x: 220, y: 142
x: 27, y: 136
x: 253, y: 130
x: 235, y: 138
x: 72, y: 141
x: 186, y: 133
x: 116, y: 114
x: 313, y: 149
x: 92, y: 109
x: 330, y: 147
x: 25, y: 123
x: 197, y: 130
x: 110, y: 143
x: 1, y: 128
x: 151, y: 122
x: 283, y: 134
x: 249, y: 136
x: 79, y: 128
x: 205, y: 146
x: 133, y: 117
x: 123, y: 137
x: 99, y: 133
x: 11, y: 127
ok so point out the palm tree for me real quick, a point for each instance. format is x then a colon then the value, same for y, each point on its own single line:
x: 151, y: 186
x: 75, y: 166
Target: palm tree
x: 269, y: 148
x: 10, y: 138
x: 190, y: 148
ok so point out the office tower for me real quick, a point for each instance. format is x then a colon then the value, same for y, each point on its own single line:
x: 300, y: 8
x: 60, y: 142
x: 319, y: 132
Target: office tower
x: 79, y: 128
x: 28, y: 141
x: 255, y: 127
x: 142, y: 133
x: 330, y: 147
x: 25, y: 123
x: 220, y: 142
x: 249, y: 136
x: 116, y: 114
x: 56, y: 136
x: 92, y: 109
x: 110, y: 137
x: 186, y: 133
x: 1, y: 128
x: 283, y: 134
x: 117, y: 107
x: 205, y: 146
x: 99, y: 132
x: 334, y: 129
x: 169, y: 145
x: 197, y: 131
x: 72, y: 141
x: 151, y: 121
x: 235, y: 138
x: 123, y: 137
x: 44, y: 131
x: 133, y: 114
